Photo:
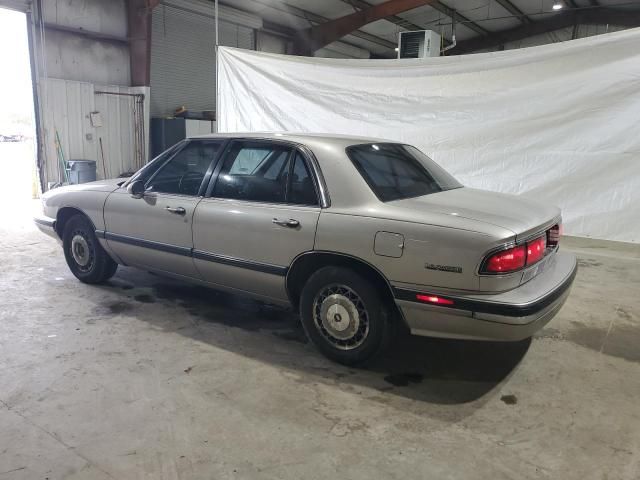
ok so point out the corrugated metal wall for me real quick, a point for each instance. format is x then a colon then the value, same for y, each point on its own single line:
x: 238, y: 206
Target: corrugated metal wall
x: 183, y: 57
x: 66, y: 107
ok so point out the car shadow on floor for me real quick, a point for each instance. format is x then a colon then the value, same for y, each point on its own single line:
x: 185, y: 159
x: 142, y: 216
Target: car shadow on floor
x: 438, y: 371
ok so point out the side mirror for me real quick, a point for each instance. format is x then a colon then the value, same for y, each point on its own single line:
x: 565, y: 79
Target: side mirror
x: 136, y: 189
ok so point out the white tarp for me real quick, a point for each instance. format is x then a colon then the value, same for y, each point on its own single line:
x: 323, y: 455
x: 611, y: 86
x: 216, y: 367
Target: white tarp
x: 559, y: 123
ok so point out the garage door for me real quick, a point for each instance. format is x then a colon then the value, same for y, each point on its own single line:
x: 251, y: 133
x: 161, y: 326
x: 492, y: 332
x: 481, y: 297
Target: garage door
x: 183, y: 57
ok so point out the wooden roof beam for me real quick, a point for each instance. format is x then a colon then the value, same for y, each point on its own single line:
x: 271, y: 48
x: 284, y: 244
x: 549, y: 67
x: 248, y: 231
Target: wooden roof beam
x: 311, y: 17
x: 401, y: 22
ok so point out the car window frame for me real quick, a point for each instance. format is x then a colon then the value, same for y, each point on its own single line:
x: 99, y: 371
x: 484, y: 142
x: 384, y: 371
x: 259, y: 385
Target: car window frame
x: 183, y: 144
x: 313, y: 168
x: 160, y: 159
x: 307, y: 165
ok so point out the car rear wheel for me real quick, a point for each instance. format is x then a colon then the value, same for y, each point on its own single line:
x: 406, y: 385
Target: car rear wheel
x: 85, y: 256
x: 344, y: 315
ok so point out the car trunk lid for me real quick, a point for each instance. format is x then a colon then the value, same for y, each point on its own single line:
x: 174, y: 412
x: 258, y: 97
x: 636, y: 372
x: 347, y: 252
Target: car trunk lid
x: 515, y: 213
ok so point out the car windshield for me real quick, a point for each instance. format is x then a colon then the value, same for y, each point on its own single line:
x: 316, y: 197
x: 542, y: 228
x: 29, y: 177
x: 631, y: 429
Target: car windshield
x: 395, y: 171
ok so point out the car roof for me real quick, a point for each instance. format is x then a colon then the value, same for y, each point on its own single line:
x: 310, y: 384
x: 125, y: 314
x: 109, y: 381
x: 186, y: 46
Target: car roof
x: 345, y: 185
x: 297, y: 137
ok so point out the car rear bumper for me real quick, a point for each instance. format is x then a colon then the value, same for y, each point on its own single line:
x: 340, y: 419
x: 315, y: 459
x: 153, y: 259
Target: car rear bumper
x: 510, y: 316
x: 46, y: 225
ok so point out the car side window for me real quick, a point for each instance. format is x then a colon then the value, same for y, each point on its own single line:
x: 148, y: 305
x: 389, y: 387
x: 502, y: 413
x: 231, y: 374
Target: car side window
x: 254, y: 171
x: 302, y: 190
x: 183, y: 174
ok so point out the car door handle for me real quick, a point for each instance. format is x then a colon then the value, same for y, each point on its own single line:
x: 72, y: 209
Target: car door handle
x: 176, y: 210
x: 291, y: 223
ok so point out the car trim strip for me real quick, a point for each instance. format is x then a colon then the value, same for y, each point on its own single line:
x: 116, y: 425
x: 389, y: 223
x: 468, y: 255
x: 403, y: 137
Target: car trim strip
x: 495, y: 308
x: 138, y: 242
x: 238, y: 262
x: 196, y: 254
x: 44, y: 221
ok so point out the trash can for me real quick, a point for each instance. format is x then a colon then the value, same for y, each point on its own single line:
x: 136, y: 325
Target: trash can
x: 81, y: 171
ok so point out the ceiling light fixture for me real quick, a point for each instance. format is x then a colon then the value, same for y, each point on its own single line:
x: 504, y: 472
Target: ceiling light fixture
x: 557, y: 5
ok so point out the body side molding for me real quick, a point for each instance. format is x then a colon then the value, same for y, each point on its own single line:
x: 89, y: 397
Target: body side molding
x: 198, y: 254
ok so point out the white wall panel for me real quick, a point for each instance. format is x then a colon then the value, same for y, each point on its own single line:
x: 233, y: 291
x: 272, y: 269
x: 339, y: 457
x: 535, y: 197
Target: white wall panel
x: 66, y: 106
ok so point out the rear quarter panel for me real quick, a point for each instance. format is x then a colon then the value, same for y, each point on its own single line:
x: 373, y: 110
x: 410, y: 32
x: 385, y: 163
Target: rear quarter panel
x: 438, y: 245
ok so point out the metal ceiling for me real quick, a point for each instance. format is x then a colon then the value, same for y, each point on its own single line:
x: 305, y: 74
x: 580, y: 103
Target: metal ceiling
x: 474, y: 19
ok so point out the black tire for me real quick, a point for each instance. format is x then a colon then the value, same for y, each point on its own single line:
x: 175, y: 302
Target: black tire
x: 341, y: 290
x: 79, y: 234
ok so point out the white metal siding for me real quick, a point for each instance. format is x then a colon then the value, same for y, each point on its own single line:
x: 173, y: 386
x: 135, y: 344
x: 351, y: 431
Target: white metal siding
x: 66, y: 106
x: 183, y: 57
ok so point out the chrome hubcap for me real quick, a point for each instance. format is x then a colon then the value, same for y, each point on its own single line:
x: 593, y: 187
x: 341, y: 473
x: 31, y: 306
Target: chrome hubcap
x: 340, y: 316
x: 80, y: 250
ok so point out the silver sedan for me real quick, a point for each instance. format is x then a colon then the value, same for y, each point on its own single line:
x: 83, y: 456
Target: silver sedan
x: 360, y: 235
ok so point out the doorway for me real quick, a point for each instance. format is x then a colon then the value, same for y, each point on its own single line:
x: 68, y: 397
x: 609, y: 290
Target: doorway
x: 19, y: 183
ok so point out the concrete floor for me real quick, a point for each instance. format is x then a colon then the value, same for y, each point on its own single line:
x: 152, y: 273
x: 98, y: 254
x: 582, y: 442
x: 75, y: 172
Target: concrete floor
x: 149, y: 378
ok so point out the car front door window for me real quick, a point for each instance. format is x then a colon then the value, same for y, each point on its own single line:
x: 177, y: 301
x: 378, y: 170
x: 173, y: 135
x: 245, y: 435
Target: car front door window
x: 184, y: 172
x: 254, y: 172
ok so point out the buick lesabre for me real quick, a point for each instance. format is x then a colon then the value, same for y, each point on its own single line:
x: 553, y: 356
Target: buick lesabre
x: 360, y: 235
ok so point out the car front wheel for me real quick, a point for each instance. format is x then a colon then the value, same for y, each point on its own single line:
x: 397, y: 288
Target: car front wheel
x: 86, y: 258
x: 344, y: 315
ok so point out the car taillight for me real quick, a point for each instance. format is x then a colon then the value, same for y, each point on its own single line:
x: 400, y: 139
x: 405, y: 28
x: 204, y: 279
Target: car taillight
x: 507, y: 260
x: 535, y: 249
x: 433, y: 299
x: 515, y: 258
x: 553, y: 235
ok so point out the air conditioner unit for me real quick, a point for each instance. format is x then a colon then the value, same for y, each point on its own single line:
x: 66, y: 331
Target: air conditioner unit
x: 419, y: 44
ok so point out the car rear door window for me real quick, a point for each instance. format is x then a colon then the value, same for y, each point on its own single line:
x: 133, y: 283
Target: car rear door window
x: 254, y: 171
x: 184, y: 172
x: 395, y: 171
x: 302, y: 190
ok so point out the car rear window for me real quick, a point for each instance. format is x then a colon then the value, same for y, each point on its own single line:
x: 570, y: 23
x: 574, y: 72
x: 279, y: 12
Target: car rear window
x: 395, y: 171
